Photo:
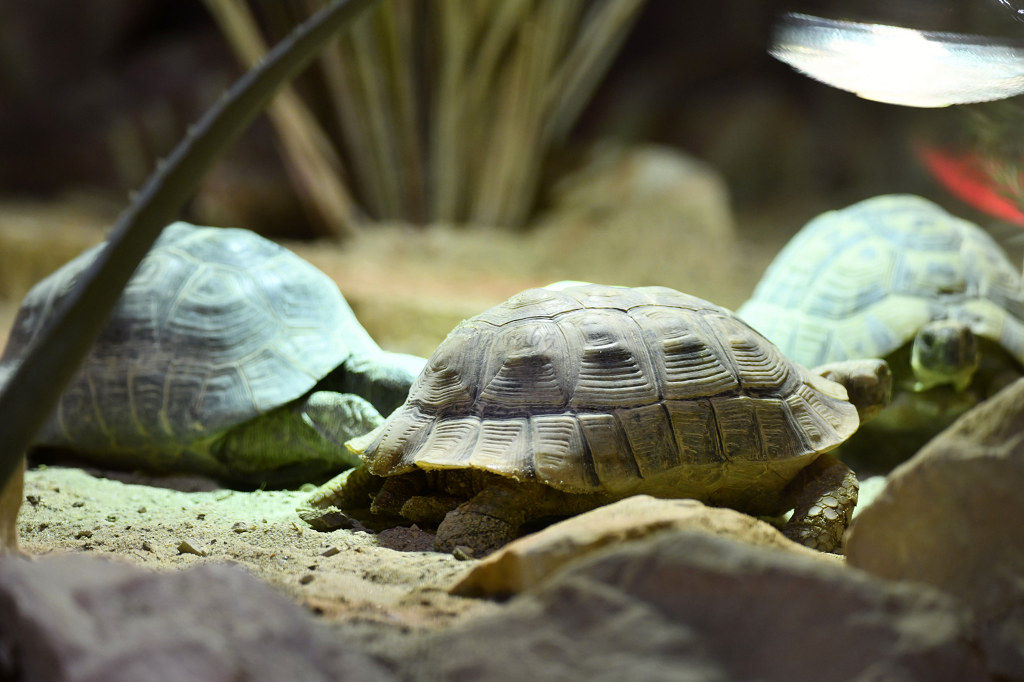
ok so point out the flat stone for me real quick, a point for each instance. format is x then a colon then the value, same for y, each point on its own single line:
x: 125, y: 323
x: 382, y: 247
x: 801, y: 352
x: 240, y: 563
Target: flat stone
x: 950, y: 517
x: 687, y: 605
x: 72, y: 617
x: 530, y: 560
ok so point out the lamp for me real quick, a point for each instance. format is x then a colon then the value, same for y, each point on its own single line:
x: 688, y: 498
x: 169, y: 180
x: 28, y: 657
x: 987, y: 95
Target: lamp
x: 908, y: 55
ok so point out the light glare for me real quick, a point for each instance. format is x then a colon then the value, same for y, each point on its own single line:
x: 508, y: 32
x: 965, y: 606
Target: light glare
x: 900, y: 65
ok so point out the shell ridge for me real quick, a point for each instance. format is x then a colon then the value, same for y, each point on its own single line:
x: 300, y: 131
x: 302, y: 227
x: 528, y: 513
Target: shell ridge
x: 557, y: 447
x: 719, y: 349
x: 528, y: 373
x: 612, y: 460
x: 695, y: 430
x: 503, y: 447
x: 652, y: 441
x: 738, y: 431
x: 611, y: 371
x: 450, y: 443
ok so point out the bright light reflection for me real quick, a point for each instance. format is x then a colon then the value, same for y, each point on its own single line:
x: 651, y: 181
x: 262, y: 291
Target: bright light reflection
x: 900, y: 65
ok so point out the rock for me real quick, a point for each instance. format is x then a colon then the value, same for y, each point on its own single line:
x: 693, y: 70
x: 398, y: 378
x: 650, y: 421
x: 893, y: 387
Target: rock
x: 686, y: 605
x: 615, y: 177
x: 189, y: 547
x: 72, y: 617
x: 530, y: 560
x: 951, y: 517
x: 406, y: 539
x: 625, y: 217
x: 870, y: 488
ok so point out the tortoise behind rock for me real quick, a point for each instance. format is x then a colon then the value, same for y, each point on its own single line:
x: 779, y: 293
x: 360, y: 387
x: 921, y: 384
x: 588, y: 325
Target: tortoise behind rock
x: 556, y: 402
x: 897, y: 277
x: 226, y: 355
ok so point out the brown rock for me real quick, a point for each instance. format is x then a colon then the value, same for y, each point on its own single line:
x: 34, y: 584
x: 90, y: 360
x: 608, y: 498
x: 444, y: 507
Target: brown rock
x: 686, y: 605
x: 530, y: 560
x: 622, y: 217
x: 951, y: 517
x: 71, y: 617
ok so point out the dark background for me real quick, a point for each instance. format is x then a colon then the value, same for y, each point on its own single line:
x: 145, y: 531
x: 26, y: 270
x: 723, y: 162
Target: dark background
x: 92, y: 92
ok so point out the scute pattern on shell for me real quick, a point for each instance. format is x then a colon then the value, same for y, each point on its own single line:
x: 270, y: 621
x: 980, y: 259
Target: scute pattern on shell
x: 217, y: 326
x: 611, y: 390
x: 860, y: 282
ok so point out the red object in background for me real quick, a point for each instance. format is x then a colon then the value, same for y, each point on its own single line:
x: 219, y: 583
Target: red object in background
x: 967, y: 178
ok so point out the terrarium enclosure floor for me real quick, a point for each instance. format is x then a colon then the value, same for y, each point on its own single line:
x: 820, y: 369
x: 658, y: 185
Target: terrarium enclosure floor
x: 349, y: 576
x: 410, y: 287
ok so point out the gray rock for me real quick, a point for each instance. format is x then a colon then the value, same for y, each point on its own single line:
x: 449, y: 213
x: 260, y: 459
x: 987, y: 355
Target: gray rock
x: 72, y: 617
x: 951, y: 517
x: 688, y: 605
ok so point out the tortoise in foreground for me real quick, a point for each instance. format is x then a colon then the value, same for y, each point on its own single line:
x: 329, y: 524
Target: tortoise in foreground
x: 227, y: 355
x: 558, y: 401
x: 899, y: 278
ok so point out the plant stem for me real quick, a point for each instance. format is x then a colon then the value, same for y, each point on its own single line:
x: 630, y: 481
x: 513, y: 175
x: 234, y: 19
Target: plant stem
x: 312, y: 161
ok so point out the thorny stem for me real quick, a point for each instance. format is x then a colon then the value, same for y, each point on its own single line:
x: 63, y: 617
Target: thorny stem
x: 52, y: 358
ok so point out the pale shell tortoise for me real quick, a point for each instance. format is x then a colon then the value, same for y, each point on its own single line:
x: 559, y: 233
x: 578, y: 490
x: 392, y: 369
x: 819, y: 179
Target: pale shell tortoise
x: 559, y: 401
x: 899, y: 278
x: 227, y: 355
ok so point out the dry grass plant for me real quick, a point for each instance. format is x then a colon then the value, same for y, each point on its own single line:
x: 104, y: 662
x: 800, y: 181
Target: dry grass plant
x: 446, y: 109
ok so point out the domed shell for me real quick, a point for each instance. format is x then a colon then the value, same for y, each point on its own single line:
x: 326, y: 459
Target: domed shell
x: 860, y: 283
x: 611, y: 390
x: 216, y: 326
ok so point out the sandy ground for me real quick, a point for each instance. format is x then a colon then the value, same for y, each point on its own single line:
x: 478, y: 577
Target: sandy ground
x: 350, y: 577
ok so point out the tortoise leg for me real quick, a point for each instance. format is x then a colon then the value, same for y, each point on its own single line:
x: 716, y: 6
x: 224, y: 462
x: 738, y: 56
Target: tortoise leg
x: 299, y: 441
x: 489, y: 520
x: 397, y: 490
x: 354, y: 487
x: 382, y: 377
x: 324, y: 510
x: 430, y: 509
x: 823, y: 495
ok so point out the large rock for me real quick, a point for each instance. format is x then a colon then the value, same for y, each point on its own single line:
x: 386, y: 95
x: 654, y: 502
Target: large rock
x: 951, y: 517
x: 640, y: 216
x: 687, y: 605
x: 73, y: 617
x: 530, y: 560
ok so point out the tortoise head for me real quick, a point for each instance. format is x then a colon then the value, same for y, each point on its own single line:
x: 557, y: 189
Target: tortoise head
x: 944, y: 352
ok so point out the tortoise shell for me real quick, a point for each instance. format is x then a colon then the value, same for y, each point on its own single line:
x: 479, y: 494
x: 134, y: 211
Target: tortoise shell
x: 860, y: 283
x: 614, y: 391
x: 216, y: 326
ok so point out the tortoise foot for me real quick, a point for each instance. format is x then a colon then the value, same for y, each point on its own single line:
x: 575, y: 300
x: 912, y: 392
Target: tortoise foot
x: 488, y: 521
x: 473, y: 534
x: 825, y: 494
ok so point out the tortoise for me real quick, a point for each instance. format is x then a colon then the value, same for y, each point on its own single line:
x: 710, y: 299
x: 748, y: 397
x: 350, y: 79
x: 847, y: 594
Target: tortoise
x: 899, y: 278
x: 227, y: 355
x: 561, y: 400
